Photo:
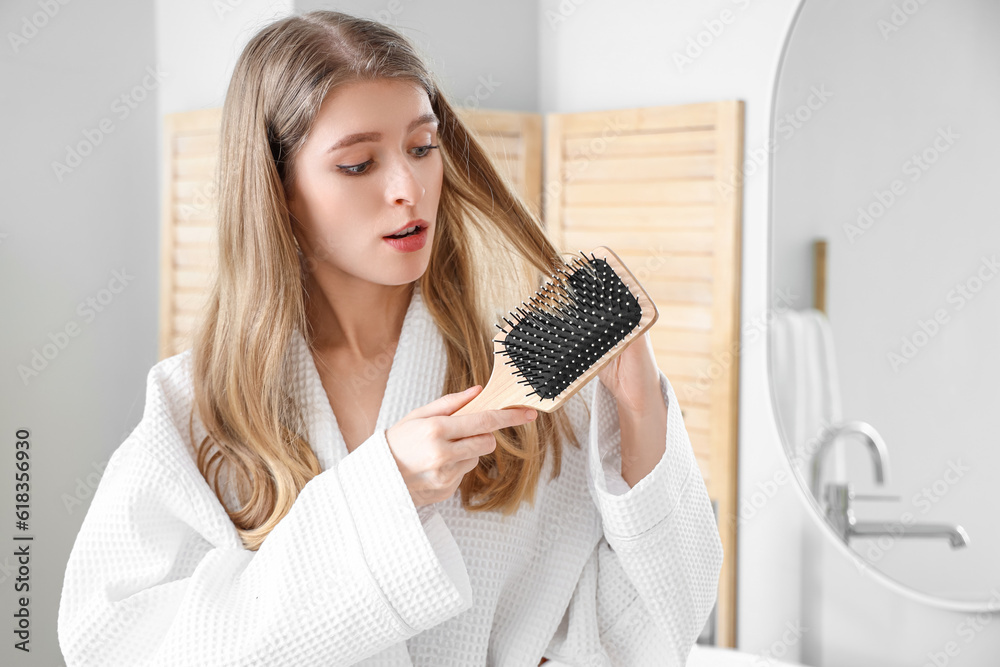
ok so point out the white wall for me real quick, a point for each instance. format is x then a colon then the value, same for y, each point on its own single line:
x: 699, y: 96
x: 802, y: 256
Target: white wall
x: 198, y: 42
x: 482, y: 57
x: 63, y: 235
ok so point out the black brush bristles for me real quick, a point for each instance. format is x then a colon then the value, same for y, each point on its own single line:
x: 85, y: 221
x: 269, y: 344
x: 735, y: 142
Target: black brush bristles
x: 575, y: 318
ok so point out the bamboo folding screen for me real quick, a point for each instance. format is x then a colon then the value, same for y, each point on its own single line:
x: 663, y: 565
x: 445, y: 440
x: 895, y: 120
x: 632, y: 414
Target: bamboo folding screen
x: 658, y: 185
x: 661, y: 187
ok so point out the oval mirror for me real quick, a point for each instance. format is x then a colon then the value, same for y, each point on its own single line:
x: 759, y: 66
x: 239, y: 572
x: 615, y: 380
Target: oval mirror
x: 885, y: 283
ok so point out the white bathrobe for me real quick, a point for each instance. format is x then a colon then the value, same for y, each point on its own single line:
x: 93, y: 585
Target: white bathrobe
x: 595, y: 573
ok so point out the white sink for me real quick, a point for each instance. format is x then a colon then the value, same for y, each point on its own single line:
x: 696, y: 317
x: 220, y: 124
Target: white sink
x: 711, y: 656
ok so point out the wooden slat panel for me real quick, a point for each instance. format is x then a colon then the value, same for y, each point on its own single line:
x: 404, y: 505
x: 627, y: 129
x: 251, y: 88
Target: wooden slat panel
x: 689, y: 191
x: 647, y: 119
x: 678, y: 241
x: 194, y: 235
x: 688, y: 365
x: 201, y: 213
x: 706, y: 470
x: 685, y: 315
x: 194, y: 190
x: 579, y: 149
x: 676, y: 289
x: 512, y: 169
x: 654, y: 217
x: 184, y: 322
x: 514, y: 141
x: 206, y: 143
x: 697, y: 417
x: 194, y: 256
x: 686, y: 267
x: 504, y: 146
x: 648, y: 183
x: 491, y: 121
x: 613, y: 169
x: 700, y: 442
x: 195, y: 168
x: 682, y: 341
x: 188, y: 279
x: 189, y: 301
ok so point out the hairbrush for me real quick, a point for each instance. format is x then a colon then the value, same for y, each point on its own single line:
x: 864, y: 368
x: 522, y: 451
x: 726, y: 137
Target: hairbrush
x: 582, y: 318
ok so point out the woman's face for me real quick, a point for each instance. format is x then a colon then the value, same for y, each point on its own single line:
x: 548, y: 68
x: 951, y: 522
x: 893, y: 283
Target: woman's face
x: 349, y: 192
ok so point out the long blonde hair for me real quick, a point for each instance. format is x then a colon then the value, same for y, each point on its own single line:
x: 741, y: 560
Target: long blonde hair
x: 254, y: 427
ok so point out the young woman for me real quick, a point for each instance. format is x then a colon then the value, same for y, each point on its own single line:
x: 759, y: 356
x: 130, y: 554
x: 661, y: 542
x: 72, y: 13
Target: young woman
x: 290, y: 496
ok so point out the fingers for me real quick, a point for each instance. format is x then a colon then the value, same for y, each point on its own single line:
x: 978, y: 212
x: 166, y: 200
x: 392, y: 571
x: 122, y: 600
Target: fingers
x: 447, y: 404
x: 462, y: 426
x: 456, y: 427
x: 476, y: 445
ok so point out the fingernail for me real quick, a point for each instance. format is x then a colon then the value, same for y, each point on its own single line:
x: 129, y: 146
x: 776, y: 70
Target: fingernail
x: 530, y: 414
x: 471, y: 389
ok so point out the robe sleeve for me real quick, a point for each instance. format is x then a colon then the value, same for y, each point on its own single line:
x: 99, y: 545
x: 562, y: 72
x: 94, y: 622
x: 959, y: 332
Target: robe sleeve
x: 646, y: 592
x: 157, y: 575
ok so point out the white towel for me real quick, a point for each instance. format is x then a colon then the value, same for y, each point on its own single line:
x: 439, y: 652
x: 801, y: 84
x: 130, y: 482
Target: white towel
x: 804, y: 373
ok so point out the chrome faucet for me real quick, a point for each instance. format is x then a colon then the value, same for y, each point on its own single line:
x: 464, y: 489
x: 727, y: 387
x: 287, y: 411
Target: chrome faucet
x: 838, y: 497
x: 869, y: 436
x: 840, y: 514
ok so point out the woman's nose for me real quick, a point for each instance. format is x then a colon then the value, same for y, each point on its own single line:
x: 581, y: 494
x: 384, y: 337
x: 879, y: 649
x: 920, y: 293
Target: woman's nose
x: 404, y: 185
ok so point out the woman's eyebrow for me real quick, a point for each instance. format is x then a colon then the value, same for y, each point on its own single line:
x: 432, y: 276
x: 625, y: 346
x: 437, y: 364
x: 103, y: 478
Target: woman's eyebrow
x: 360, y: 137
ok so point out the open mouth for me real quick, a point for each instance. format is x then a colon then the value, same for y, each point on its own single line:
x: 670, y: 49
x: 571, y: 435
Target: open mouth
x: 406, y: 232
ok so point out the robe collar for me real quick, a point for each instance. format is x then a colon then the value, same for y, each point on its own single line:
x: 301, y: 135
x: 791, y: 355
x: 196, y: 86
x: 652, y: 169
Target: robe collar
x: 416, y: 377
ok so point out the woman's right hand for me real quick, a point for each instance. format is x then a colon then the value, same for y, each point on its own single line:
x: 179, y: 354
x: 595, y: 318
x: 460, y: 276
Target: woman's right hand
x: 434, y: 449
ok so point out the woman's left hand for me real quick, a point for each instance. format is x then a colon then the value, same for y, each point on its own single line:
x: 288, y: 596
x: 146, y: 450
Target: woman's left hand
x: 633, y: 378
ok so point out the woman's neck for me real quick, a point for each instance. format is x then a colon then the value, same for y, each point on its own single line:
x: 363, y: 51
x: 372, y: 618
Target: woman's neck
x: 360, y: 319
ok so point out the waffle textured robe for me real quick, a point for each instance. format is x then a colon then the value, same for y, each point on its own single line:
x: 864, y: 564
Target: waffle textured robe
x: 595, y: 573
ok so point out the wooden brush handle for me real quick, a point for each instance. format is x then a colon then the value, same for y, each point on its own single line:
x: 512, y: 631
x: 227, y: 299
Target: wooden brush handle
x: 503, y: 391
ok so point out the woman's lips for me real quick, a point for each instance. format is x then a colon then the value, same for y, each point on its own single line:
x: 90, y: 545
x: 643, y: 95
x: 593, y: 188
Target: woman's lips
x: 418, y: 222
x: 410, y: 243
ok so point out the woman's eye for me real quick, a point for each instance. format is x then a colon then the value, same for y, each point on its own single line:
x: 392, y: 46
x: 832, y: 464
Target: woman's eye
x: 354, y: 170
x: 359, y: 169
x: 427, y: 149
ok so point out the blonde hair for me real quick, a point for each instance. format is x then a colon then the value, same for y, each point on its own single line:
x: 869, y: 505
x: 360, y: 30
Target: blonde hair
x: 254, y: 427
